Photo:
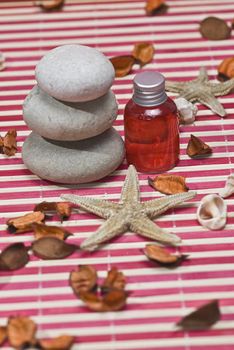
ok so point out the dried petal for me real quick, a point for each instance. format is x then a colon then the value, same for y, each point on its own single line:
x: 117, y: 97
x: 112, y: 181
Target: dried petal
x: 50, y: 4
x: 113, y: 301
x: 21, y: 331
x: 197, y: 148
x: 122, y: 65
x: 226, y: 69
x: 162, y: 256
x: 13, y: 257
x: 8, y: 144
x: 214, y: 28
x: 83, y: 280
x: 63, y: 209
x: 52, y: 248
x: 114, y: 280
x: 3, y: 334
x: 24, y: 223
x: 202, y: 318
x: 155, y: 7
x: 2, y: 62
x: 41, y: 230
x: 169, y: 184
x: 143, y: 52
x: 63, y: 342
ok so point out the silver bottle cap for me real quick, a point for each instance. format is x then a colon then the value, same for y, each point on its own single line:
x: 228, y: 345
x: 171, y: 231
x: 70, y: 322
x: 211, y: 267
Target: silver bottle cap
x: 149, y: 89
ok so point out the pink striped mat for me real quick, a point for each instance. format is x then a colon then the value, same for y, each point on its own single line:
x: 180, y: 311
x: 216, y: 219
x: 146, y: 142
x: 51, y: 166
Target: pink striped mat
x: 159, y: 297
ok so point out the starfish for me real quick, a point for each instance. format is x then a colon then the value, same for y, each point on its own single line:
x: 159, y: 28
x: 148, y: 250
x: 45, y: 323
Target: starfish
x: 202, y: 90
x: 129, y: 213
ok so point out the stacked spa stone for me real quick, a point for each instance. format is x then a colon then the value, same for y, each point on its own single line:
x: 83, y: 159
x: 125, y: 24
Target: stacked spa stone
x: 71, y: 112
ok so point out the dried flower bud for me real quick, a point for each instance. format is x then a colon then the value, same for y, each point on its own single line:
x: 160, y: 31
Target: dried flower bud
x: 114, y: 300
x: 63, y: 209
x: 169, y: 184
x: 162, y: 256
x: 63, y: 342
x: 155, y: 7
x: 226, y: 69
x: 24, y: 223
x: 197, y: 148
x: 143, y: 53
x: 83, y: 280
x: 50, y: 4
x: 8, y: 144
x: 21, y: 332
x: 122, y: 65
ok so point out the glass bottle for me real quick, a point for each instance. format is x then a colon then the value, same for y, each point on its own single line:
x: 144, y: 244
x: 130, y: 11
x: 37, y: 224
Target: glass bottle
x: 151, y: 125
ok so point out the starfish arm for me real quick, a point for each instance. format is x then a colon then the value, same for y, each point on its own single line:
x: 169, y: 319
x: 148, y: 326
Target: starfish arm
x: 174, y: 86
x: 143, y: 226
x: 211, y: 102
x: 130, y: 190
x: 222, y: 88
x: 189, y: 95
x: 203, y: 76
x: 114, y: 226
x: 157, y: 206
x: 96, y: 206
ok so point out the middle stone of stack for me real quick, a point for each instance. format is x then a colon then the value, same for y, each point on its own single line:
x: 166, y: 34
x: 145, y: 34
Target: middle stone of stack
x: 71, y: 112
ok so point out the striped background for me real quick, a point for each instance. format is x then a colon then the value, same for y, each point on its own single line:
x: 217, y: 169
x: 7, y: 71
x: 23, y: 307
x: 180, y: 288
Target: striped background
x: 159, y: 297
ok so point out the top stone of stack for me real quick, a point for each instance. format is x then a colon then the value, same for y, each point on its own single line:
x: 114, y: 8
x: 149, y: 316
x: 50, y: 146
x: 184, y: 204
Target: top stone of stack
x: 75, y: 73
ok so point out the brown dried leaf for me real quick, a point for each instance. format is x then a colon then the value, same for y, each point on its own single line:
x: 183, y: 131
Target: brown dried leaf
x: 114, y: 300
x: 214, y: 28
x: 162, y: 256
x: 50, y: 4
x: 114, y: 280
x: 122, y: 65
x: 143, y: 52
x: 48, y: 248
x: 8, y: 144
x: 63, y: 342
x: 226, y: 69
x: 14, y: 257
x: 168, y: 184
x: 41, y: 230
x: 21, y: 332
x: 63, y: 209
x: 202, y: 318
x: 83, y: 280
x: 197, y: 148
x: 155, y: 7
x: 3, y: 334
x: 24, y: 223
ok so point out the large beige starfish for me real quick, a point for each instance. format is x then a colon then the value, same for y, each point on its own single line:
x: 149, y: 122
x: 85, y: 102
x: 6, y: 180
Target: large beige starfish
x: 202, y: 90
x: 129, y: 214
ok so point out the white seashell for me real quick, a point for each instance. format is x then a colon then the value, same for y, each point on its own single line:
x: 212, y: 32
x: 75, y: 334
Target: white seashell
x: 212, y: 212
x: 187, y: 110
x: 228, y: 190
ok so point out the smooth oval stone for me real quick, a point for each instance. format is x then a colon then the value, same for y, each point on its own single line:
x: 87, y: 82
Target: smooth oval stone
x: 75, y: 73
x: 68, y: 121
x: 73, y: 162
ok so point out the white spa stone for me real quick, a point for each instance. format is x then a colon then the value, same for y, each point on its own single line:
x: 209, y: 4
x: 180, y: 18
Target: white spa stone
x: 74, y: 162
x: 75, y: 73
x: 68, y: 121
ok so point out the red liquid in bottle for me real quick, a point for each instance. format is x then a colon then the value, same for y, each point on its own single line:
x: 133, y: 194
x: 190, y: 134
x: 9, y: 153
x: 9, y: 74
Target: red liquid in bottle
x: 151, y: 136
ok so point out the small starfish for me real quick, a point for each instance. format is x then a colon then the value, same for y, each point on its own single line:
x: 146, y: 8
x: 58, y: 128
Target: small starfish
x: 129, y: 213
x: 202, y: 90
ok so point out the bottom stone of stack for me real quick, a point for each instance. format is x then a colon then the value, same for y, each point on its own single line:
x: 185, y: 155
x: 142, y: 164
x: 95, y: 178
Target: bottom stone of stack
x: 74, y: 162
